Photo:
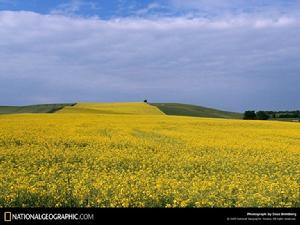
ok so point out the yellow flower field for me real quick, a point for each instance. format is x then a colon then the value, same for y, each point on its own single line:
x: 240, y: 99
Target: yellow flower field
x: 132, y: 108
x: 114, y: 160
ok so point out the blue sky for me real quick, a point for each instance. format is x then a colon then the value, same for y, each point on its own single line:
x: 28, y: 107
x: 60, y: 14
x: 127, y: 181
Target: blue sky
x: 101, y: 8
x: 230, y: 54
x: 123, y: 8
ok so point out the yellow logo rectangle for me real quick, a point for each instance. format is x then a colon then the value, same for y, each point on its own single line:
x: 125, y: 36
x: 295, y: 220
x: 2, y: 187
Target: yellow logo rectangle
x: 7, y: 216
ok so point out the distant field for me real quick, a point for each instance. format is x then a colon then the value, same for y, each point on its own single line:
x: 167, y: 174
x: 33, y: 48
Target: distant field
x: 286, y: 119
x: 133, y: 108
x: 129, y: 160
x: 44, y: 108
x: 196, y: 111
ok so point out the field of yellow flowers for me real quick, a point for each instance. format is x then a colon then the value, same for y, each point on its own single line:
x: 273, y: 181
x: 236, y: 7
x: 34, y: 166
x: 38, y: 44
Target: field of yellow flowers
x: 115, y: 160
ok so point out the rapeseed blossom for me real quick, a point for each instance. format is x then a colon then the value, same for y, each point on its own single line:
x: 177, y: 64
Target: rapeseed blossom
x: 97, y: 160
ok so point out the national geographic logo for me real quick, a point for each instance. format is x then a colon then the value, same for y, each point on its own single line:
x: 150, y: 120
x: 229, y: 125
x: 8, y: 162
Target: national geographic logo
x: 7, y: 216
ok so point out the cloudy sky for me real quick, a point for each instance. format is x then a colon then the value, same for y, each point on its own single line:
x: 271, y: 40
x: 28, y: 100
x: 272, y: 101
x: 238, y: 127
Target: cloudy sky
x: 229, y: 54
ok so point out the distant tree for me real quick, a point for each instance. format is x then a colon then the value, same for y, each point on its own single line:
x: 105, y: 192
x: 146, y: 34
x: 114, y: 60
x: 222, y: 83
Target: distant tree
x: 249, y: 115
x: 289, y: 115
x: 261, y: 115
x: 146, y: 101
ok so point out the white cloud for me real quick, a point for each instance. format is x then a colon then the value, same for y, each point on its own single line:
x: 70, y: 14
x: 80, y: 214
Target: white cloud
x: 214, y: 62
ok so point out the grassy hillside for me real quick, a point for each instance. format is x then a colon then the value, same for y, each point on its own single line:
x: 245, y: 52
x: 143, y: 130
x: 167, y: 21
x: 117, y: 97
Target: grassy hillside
x: 193, y: 110
x: 45, y: 108
x: 133, y: 108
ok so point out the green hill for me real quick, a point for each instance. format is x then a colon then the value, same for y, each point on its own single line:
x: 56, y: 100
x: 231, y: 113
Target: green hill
x: 44, y: 108
x: 123, y: 108
x: 194, y: 110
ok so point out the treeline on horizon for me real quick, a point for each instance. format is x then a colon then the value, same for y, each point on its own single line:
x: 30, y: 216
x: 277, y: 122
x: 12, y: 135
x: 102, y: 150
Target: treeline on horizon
x: 265, y: 115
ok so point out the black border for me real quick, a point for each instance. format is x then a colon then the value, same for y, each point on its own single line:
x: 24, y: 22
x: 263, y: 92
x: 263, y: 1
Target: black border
x: 159, y: 215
